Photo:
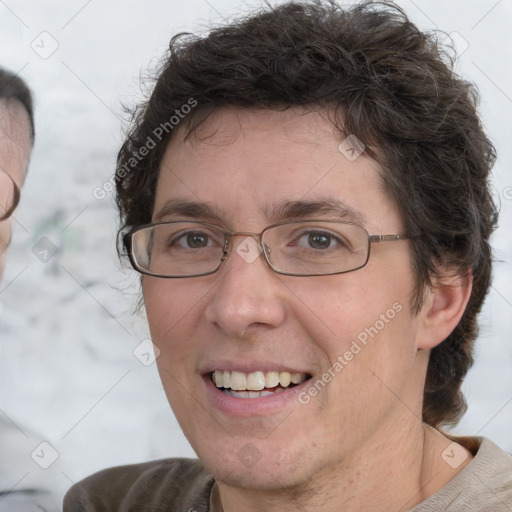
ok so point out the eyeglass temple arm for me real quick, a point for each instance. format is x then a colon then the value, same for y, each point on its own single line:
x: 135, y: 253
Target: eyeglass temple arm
x: 390, y: 238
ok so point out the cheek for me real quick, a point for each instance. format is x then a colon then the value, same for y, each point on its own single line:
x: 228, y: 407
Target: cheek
x: 175, y: 310
x: 5, y: 234
x: 171, y: 306
x: 343, y: 306
x: 171, y: 310
x: 363, y: 327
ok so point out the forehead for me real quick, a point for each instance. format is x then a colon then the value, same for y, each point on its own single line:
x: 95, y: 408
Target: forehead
x: 15, y: 139
x: 244, y: 162
x: 14, y: 120
x: 229, y: 130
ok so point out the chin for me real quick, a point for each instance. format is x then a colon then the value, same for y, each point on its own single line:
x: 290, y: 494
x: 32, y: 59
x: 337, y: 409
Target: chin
x: 247, y: 468
x: 259, y: 478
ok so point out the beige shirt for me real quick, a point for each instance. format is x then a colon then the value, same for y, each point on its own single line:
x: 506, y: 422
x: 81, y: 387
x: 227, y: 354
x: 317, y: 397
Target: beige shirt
x: 182, y: 485
x: 484, y: 485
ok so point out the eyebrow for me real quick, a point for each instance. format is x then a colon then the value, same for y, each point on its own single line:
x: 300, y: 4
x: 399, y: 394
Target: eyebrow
x: 334, y: 208
x: 285, y: 210
x: 191, y: 209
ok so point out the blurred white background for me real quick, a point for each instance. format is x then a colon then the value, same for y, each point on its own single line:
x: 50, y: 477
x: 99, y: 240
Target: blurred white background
x: 67, y: 328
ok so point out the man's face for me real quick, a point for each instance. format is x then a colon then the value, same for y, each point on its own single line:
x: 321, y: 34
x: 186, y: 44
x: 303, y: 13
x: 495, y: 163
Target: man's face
x: 15, y: 147
x: 249, y: 319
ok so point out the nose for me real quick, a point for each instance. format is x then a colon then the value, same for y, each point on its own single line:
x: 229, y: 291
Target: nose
x: 250, y: 295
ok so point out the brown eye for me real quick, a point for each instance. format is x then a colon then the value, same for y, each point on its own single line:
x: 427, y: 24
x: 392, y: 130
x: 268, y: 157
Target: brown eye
x: 319, y: 240
x: 197, y: 240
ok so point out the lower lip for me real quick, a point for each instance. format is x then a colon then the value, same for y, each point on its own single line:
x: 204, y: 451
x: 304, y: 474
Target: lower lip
x: 246, y: 407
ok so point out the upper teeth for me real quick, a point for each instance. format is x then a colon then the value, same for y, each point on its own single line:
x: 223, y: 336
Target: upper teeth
x: 255, y: 381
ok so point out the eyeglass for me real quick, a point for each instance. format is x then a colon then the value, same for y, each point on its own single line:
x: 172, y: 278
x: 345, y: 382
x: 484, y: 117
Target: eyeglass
x: 9, y: 195
x: 295, y: 248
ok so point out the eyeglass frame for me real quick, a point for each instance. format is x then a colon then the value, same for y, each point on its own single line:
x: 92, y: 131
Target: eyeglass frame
x: 16, y: 198
x: 228, y: 235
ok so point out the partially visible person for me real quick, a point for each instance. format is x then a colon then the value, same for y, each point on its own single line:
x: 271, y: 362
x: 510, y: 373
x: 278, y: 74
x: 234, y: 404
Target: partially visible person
x: 16, y: 140
x: 24, y: 486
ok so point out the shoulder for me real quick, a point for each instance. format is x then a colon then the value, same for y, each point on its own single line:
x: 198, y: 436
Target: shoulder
x: 169, y: 484
x: 24, y: 484
x: 494, y: 467
x: 485, y: 484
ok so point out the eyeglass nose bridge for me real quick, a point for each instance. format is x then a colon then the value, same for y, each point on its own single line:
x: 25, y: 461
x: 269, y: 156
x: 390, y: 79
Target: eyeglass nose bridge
x: 231, y: 234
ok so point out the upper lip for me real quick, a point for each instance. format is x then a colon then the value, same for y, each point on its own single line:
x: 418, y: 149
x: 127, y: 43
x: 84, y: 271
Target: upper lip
x: 250, y: 367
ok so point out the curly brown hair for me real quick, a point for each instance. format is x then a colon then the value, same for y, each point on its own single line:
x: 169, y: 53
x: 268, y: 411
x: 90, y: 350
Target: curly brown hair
x: 381, y: 79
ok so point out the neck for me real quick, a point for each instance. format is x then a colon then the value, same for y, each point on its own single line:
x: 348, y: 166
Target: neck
x: 393, y: 474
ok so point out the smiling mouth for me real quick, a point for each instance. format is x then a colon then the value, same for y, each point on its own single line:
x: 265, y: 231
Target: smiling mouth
x: 255, y: 384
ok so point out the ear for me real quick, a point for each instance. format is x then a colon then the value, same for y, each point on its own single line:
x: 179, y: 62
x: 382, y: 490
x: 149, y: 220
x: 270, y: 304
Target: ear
x: 443, y: 308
